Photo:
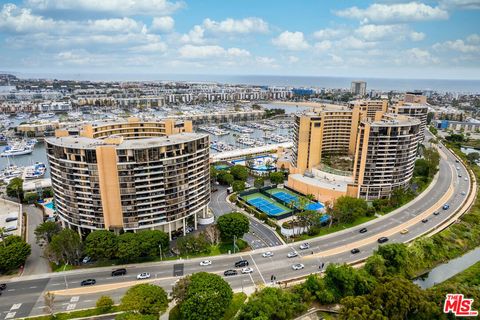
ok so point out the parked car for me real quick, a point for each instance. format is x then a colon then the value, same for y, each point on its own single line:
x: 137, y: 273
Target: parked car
x: 230, y: 273
x: 87, y: 259
x: 292, y: 254
x: 298, y: 266
x: 119, y: 272
x: 205, y: 263
x: 382, y: 240
x: 363, y: 230
x: 143, y: 275
x: 267, y: 254
x: 247, y: 270
x: 304, y: 246
x: 11, y: 228
x: 3, y: 286
x: 355, y: 250
x: 241, y: 263
x: 10, y: 219
x: 88, y: 282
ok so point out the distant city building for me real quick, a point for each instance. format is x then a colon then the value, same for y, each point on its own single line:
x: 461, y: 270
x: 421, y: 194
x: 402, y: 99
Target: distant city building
x: 359, y: 88
x: 131, y: 176
x: 415, y: 97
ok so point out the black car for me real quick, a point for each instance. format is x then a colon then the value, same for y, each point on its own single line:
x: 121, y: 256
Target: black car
x: 382, y: 240
x: 363, y: 230
x: 3, y: 286
x: 88, y: 282
x: 425, y: 220
x: 436, y: 213
x: 241, y: 263
x: 10, y: 219
x: 355, y: 250
x: 119, y: 272
x: 230, y: 273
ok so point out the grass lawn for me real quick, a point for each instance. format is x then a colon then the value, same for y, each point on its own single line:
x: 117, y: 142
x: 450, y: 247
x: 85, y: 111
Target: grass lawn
x: 75, y: 314
x: 237, y: 302
x: 334, y: 228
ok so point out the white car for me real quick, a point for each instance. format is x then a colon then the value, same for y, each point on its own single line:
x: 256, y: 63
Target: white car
x: 87, y: 259
x: 247, y: 270
x: 292, y: 254
x: 298, y: 266
x: 143, y: 275
x: 206, y: 263
x: 304, y: 246
x: 267, y: 254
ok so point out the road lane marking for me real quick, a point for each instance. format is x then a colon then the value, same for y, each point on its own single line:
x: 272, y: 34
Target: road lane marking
x: 16, y: 306
x: 259, y: 272
x: 75, y: 299
x: 71, y: 306
x: 10, y: 315
x: 33, y: 287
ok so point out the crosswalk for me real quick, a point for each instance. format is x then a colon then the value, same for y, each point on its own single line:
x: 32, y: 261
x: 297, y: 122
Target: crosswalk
x: 13, y: 311
x: 69, y: 305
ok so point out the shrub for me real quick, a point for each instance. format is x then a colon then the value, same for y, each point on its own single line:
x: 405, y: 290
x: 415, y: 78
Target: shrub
x: 104, y: 304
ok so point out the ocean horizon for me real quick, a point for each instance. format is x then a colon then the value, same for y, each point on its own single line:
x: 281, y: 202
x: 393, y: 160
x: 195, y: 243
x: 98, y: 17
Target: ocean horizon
x: 328, y: 82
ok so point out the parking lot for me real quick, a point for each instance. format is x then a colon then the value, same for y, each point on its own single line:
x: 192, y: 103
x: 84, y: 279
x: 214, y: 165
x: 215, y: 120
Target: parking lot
x: 10, y: 217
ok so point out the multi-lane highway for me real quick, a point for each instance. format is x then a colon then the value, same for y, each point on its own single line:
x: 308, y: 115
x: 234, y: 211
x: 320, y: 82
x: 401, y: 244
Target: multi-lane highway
x: 24, y: 296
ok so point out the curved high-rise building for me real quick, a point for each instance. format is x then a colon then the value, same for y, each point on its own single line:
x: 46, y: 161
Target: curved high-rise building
x: 130, y: 176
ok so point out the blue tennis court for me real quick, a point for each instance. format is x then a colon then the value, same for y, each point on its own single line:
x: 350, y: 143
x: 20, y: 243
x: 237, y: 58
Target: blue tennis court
x: 265, y: 206
x: 288, y: 198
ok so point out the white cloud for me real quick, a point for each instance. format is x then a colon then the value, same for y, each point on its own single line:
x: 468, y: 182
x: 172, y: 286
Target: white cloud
x: 460, y: 4
x: 336, y: 59
x: 354, y: 43
x: 162, y: 24
x: 473, y: 38
x: 323, y: 45
x: 293, y: 41
x: 120, y: 7
x: 232, y: 26
x: 153, y: 47
x: 328, y: 34
x: 457, y: 45
x: 200, y: 52
x: 194, y: 36
x: 293, y: 59
x: 21, y: 20
x: 373, y: 32
x: 397, y: 12
x: 417, y: 56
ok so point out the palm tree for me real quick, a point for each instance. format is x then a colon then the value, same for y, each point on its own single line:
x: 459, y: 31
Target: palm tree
x: 310, y: 197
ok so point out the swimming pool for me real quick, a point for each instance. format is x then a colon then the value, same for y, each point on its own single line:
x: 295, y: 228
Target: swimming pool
x: 50, y: 206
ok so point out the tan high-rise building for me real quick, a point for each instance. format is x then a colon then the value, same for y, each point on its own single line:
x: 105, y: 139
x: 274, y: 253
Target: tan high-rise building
x: 383, y: 147
x: 358, y: 88
x: 385, y: 156
x: 415, y: 110
x: 130, y: 176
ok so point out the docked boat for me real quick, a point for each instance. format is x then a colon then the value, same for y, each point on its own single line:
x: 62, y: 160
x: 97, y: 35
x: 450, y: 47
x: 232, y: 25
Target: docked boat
x: 47, y: 115
x: 10, y: 172
x: 17, y: 149
x: 36, y: 171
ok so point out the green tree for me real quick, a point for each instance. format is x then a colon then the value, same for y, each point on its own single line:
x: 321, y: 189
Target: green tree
x: 276, y: 177
x: 396, y: 259
x: 104, y: 304
x: 375, y: 265
x: 473, y: 157
x: 179, y: 291
x: 232, y: 224
x: 348, y: 209
x: 150, y: 242
x: 30, y: 197
x: 272, y: 303
x: 146, y: 299
x: 239, y: 172
x: 101, y: 245
x: 259, y: 183
x: 66, y: 246
x: 225, y: 178
x: 213, y: 173
x: 129, y: 247
x: 191, y: 244
x: 135, y: 316
x: 358, y: 308
x: 15, y: 188
x: 238, y: 186
x: 45, y: 231
x: 13, y: 253
x: 208, y: 296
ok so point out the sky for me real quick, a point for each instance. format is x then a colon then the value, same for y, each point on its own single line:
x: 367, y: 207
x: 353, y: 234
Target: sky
x: 384, y: 38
